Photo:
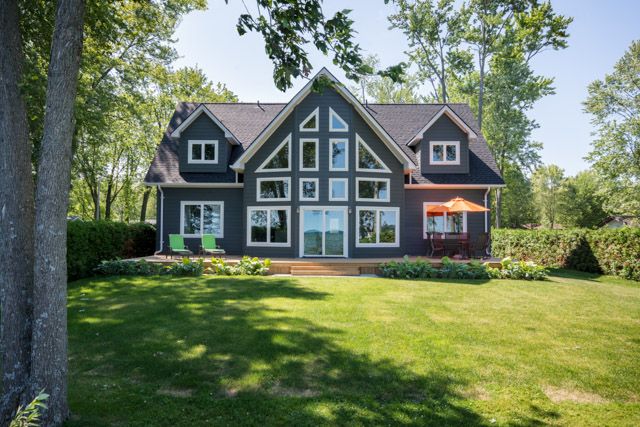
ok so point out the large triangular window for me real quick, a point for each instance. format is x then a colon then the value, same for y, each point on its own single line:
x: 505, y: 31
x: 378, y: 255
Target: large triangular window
x: 336, y: 124
x: 280, y: 159
x: 311, y: 123
x: 367, y: 160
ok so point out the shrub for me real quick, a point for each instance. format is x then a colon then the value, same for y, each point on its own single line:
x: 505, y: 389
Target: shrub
x: 128, y: 268
x: 518, y: 270
x: 610, y: 251
x: 90, y: 242
x: 187, y: 268
x: 30, y: 414
x: 246, y: 266
x: 421, y: 269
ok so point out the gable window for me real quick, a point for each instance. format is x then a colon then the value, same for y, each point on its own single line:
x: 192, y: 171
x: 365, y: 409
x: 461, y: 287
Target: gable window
x: 338, y: 189
x: 309, y: 154
x: 436, y: 222
x: 311, y: 123
x: 309, y: 189
x: 444, y: 152
x: 280, y: 159
x: 338, y: 154
x: 367, y: 160
x: 268, y: 226
x: 198, y: 218
x: 203, y: 151
x: 378, y: 227
x: 273, y: 189
x: 372, y: 189
x: 336, y: 124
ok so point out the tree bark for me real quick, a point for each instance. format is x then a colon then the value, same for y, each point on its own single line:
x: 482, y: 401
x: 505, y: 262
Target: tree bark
x: 16, y: 220
x: 49, y: 338
x: 145, y: 202
x: 481, y: 91
x: 107, y: 202
x: 498, y: 207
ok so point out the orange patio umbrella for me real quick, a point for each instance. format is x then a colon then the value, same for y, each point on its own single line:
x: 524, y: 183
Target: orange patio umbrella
x: 461, y: 205
x: 437, y: 209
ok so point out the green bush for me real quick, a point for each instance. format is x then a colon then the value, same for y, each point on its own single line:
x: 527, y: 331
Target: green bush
x: 187, y: 268
x: 90, y: 242
x: 246, y: 266
x: 518, y: 270
x: 421, y: 269
x: 610, y: 251
x: 128, y: 268
x: 30, y: 415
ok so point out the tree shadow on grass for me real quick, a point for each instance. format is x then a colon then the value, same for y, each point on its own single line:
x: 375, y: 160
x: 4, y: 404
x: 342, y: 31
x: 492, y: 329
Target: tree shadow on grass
x: 214, y: 351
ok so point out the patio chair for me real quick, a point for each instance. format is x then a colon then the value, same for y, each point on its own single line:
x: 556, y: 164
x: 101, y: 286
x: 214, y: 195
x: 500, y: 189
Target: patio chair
x: 208, y: 245
x: 437, y: 244
x: 177, y: 246
x: 480, y: 245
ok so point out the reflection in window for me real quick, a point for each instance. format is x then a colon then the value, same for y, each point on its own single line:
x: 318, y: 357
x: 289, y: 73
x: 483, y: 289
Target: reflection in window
x: 336, y: 124
x: 280, y: 159
x: 373, y: 189
x: 378, y: 227
x: 269, y: 226
x: 445, y: 152
x: 274, y: 189
x: 338, y: 154
x: 367, y: 160
x: 202, y: 218
x: 308, y: 189
x: 309, y: 154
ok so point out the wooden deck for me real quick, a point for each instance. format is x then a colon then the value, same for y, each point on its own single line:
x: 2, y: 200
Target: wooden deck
x: 318, y: 266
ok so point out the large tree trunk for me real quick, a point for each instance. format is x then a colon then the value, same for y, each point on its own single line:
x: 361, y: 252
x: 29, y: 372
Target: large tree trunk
x: 108, y: 202
x: 49, y: 339
x: 481, y: 91
x: 145, y: 202
x: 498, y: 207
x: 16, y: 220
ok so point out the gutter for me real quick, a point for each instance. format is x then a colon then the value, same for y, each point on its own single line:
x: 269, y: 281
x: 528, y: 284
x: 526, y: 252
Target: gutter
x: 161, y: 220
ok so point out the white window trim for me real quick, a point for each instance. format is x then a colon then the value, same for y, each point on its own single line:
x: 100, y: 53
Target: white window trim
x: 424, y: 218
x: 274, y: 178
x: 313, y: 113
x: 345, y: 239
x: 201, y: 203
x: 317, y: 161
x: 202, y: 142
x: 346, y: 190
x: 306, y: 199
x: 269, y: 209
x: 333, y: 114
x: 286, y: 141
x: 360, y: 199
x: 346, y: 154
x: 444, y: 153
x: 359, y: 142
x: 377, y: 209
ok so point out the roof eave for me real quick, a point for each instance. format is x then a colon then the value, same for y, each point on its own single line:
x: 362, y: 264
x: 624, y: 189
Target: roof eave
x: 445, y: 110
x: 195, y: 114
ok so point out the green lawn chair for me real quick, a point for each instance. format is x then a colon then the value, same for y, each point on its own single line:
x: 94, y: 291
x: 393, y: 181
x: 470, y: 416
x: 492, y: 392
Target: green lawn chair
x: 209, y: 247
x: 177, y: 246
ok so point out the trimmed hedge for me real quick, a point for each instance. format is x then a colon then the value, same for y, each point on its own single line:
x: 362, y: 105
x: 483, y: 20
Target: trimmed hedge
x: 610, y: 251
x: 90, y: 242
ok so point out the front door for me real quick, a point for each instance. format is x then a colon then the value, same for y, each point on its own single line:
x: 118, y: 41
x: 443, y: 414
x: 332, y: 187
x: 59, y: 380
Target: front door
x: 323, y: 231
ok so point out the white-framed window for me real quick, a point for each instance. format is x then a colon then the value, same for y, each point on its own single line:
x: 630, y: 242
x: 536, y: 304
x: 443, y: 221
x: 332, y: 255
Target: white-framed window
x: 373, y: 190
x: 336, y: 124
x: 377, y: 227
x: 309, y: 154
x: 198, y: 218
x: 367, y: 160
x: 442, y: 222
x: 444, y: 152
x: 280, y: 159
x: 338, y: 154
x: 203, y: 151
x: 311, y: 123
x: 273, y: 189
x: 338, y: 189
x: 269, y: 226
x: 309, y: 189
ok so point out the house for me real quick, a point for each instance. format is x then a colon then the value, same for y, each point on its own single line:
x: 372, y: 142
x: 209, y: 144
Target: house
x: 322, y: 175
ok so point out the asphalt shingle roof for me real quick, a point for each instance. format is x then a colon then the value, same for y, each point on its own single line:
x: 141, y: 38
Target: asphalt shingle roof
x: 246, y: 120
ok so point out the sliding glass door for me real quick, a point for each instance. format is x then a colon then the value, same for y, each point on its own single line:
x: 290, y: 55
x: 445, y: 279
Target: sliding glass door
x: 323, y: 231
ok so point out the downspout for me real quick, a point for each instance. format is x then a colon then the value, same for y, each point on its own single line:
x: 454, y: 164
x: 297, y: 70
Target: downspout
x: 159, y: 251
x: 486, y: 213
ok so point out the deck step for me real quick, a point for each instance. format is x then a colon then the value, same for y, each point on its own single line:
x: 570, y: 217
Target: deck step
x: 321, y: 270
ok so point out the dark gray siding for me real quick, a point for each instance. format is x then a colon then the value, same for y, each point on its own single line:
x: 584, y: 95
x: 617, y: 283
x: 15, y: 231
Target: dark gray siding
x: 414, y: 243
x: 204, y: 128
x: 328, y: 98
x: 444, y: 130
x: 232, y: 198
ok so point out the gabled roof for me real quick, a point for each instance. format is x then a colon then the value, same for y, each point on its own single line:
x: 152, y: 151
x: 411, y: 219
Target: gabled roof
x: 408, y: 163
x: 445, y: 110
x: 195, y: 114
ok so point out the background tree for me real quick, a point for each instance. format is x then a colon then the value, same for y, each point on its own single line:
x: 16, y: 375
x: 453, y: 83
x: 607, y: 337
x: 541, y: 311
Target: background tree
x: 380, y: 89
x: 614, y: 104
x: 549, y: 193
x: 584, y: 204
x: 518, y: 201
x: 434, y: 30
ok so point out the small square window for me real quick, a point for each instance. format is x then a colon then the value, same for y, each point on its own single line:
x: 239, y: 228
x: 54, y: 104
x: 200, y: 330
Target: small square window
x: 445, y: 153
x: 203, y: 151
x: 338, y: 189
x: 309, y: 189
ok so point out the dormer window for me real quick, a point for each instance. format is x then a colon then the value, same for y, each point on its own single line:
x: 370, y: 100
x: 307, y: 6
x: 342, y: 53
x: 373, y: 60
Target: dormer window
x: 311, y: 123
x: 444, y: 152
x: 203, y: 151
x: 336, y: 124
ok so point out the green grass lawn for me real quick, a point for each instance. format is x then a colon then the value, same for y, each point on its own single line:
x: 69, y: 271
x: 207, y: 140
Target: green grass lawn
x: 314, y: 351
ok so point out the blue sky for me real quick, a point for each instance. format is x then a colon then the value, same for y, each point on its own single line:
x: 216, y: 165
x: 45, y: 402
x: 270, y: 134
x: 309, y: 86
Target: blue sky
x: 600, y: 33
